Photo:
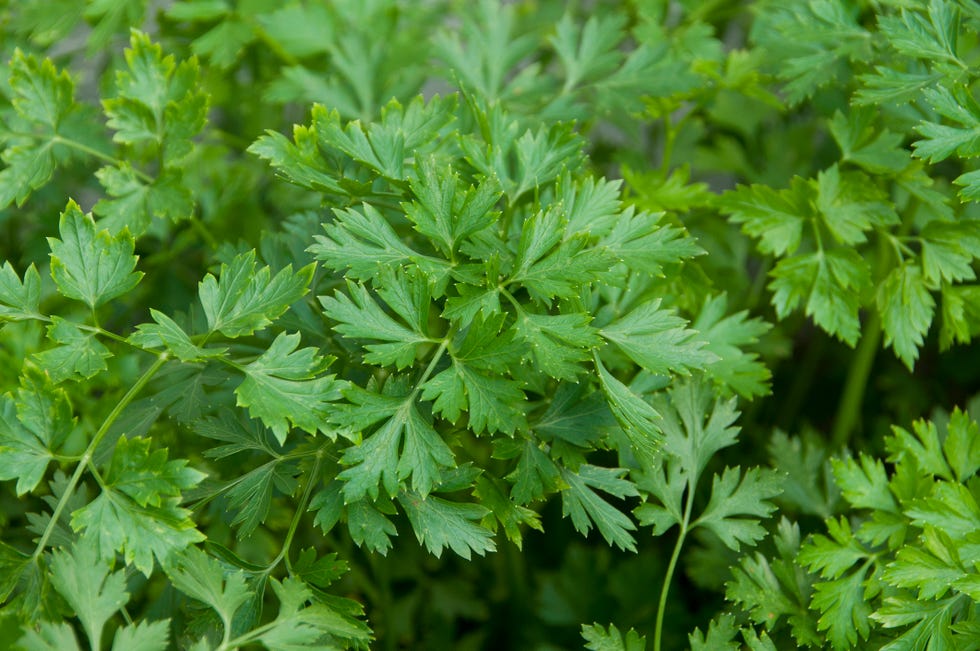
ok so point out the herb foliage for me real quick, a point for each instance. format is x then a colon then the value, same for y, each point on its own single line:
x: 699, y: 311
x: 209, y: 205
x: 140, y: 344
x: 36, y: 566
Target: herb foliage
x: 436, y: 325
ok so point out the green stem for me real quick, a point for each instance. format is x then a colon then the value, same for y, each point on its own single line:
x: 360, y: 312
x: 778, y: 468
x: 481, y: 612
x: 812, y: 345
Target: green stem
x: 95, y: 153
x: 672, y: 565
x: 300, y: 510
x: 440, y: 351
x: 90, y: 451
x: 196, y: 223
x: 849, y: 409
x: 199, y: 227
x: 670, y: 135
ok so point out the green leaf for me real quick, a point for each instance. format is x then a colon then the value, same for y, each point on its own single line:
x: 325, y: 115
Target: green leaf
x: 300, y: 624
x: 809, y: 482
x: 829, y: 283
x: 148, y: 477
x: 384, y: 145
x: 931, y: 570
x: 558, y: 343
x: 694, y: 429
x: 906, y: 308
x: 445, y: 210
x: 24, y: 451
x: 833, y: 556
x: 769, y: 589
x: 19, y: 299
x: 775, y: 217
x: 535, y: 476
x: 543, y: 154
x: 737, y: 505
x: 363, y: 242
x: 962, y: 445
x: 577, y: 415
x: 915, y: 36
x: 133, y: 201
x: 942, y: 141
x: 50, y: 637
x: 727, y: 337
x: 511, y: 516
x: 864, y: 143
x: 923, y: 450
x: 948, y: 249
x: 360, y: 317
x: 492, y: 404
x: 589, y: 52
x: 244, y: 300
x: 887, y: 85
x: 250, y: 494
x: 110, y: 17
x: 83, y: 579
x: 549, y: 265
x: 117, y: 523
x: 810, y: 45
x: 951, y: 508
x: 961, y: 314
x: 841, y: 599
x: 158, y: 101
x: 284, y: 388
x: 864, y: 483
x: 300, y: 31
x: 299, y: 162
x: 845, y: 610
x: 144, y: 636
x: 592, y: 205
x: 439, y: 524
x: 644, y: 243
x: 639, y: 420
x: 586, y: 507
x: 44, y: 101
x: 719, y: 637
x: 317, y: 570
x: 200, y: 577
x: 666, y: 483
x: 850, y: 205
x: 757, y: 641
x: 79, y: 355
x: 167, y: 333
x: 933, y: 627
x: 601, y: 639
x: 370, y: 526
x: 13, y: 564
x: 658, y: 340
x: 423, y: 456
x: 89, y: 265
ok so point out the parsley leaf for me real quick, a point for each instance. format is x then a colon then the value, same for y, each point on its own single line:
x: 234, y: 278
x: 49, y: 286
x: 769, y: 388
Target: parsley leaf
x: 89, y: 265
x: 284, y: 387
x: 243, y: 300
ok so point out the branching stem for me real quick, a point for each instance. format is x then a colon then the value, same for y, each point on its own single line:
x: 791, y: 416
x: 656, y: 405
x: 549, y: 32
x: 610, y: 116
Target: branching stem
x: 90, y: 451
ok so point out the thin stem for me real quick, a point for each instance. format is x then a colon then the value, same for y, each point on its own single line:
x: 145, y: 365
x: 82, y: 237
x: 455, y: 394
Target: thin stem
x: 672, y: 565
x: 196, y: 223
x: 95, y: 153
x: 849, y: 409
x: 90, y: 451
x: 198, y: 226
x: 670, y: 135
x: 300, y: 510
x: 432, y: 366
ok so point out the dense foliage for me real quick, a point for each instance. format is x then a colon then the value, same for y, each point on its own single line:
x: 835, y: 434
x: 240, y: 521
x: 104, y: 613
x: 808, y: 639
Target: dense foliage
x: 469, y: 325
